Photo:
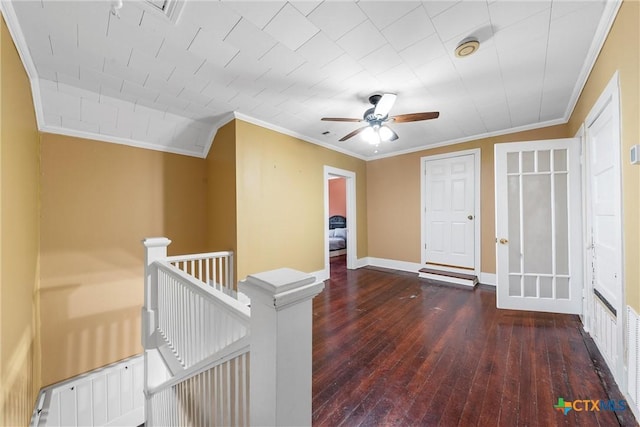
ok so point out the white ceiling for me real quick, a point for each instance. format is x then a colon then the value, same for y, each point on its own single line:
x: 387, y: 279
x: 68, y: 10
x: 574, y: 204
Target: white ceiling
x: 142, y: 80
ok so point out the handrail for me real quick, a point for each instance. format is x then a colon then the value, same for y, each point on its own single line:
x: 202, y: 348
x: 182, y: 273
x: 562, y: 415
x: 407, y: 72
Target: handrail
x: 194, y: 257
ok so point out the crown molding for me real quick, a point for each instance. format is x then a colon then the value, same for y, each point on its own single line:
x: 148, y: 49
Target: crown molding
x: 226, y: 118
x: 117, y: 140
x: 11, y: 19
x: 280, y: 129
x: 609, y: 14
x: 471, y: 138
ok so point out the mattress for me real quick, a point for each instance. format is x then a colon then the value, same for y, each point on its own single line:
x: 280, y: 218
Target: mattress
x: 336, y: 243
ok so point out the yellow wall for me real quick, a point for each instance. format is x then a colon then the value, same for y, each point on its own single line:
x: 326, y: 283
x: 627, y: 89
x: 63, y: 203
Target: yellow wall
x: 19, y: 229
x: 280, y: 200
x: 99, y: 201
x: 221, y: 191
x: 621, y: 52
x: 393, y: 195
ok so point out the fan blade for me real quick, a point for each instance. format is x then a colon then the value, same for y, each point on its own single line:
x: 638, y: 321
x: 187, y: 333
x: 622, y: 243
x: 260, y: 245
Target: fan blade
x: 340, y: 119
x: 414, y: 117
x: 384, y: 104
x: 352, y: 134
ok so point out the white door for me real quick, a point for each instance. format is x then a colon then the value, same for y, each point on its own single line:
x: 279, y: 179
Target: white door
x: 450, y: 212
x: 604, y: 238
x: 538, y: 226
x: 604, y: 211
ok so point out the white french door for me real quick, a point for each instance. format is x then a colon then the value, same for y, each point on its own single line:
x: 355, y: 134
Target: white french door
x: 538, y: 226
x: 450, y: 211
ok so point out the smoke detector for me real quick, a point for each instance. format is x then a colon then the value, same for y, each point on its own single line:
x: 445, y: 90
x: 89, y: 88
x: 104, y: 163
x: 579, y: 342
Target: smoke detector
x: 467, y: 47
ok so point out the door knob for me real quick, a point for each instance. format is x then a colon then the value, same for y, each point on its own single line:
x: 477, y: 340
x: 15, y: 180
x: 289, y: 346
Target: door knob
x: 470, y: 217
x: 503, y: 241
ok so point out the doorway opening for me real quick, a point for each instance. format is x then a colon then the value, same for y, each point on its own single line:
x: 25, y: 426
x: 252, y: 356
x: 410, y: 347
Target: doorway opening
x: 336, y: 178
x: 337, y: 220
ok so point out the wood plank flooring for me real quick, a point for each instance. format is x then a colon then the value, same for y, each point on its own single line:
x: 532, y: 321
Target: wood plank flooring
x: 390, y: 349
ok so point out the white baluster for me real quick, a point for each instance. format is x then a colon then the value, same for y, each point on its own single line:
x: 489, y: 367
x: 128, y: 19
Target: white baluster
x: 207, y: 269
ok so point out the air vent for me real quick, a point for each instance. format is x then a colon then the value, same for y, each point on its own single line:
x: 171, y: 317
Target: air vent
x: 169, y: 8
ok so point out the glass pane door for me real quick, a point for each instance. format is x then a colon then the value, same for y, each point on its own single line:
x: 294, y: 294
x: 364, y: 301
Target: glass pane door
x: 534, y: 231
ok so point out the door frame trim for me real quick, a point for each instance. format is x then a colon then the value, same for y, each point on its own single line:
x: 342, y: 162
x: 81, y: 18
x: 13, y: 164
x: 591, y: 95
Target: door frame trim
x: 476, y: 152
x: 610, y: 95
x: 352, y: 225
x: 586, y: 298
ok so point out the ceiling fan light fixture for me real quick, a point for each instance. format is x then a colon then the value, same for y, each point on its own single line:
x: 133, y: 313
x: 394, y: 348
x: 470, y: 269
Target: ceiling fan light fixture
x: 467, y: 47
x: 375, y: 134
x: 370, y: 136
x: 385, y: 133
x: 376, y: 118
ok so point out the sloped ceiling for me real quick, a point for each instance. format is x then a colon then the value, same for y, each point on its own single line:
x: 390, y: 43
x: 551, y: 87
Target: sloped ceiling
x: 141, y: 79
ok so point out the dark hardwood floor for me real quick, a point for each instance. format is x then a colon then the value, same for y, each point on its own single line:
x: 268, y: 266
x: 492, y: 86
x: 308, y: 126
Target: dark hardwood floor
x: 390, y: 349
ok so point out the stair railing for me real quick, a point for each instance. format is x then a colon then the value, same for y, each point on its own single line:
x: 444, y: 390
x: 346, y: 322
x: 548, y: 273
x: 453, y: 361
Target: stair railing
x: 212, y: 360
x: 215, y: 269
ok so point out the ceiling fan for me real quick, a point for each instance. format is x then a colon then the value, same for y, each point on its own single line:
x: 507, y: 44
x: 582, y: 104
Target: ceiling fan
x: 376, y: 117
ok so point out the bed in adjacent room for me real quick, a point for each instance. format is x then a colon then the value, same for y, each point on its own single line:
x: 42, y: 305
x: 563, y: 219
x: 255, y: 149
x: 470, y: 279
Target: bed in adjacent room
x: 337, y: 235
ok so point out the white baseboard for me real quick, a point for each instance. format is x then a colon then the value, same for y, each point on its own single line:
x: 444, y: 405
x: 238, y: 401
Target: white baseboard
x: 487, y: 279
x: 393, y: 264
x: 362, y: 262
x: 108, y: 396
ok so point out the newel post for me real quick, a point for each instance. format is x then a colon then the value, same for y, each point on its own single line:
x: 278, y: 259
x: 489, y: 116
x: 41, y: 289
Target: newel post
x: 155, y: 249
x: 281, y: 333
x: 154, y: 371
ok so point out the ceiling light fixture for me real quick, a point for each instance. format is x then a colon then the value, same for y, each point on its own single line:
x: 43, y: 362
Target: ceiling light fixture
x: 467, y: 47
x: 385, y: 133
x: 376, y: 118
x: 375, y: 134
